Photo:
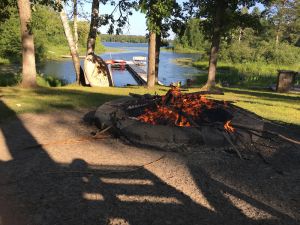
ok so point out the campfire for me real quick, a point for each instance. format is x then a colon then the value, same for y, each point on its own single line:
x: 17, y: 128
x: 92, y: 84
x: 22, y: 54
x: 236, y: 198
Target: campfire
x: 186, y: 110
x: 177, y: 119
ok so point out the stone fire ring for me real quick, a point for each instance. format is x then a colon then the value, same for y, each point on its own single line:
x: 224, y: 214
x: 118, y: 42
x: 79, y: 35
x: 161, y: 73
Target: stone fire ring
x: 163, y: 136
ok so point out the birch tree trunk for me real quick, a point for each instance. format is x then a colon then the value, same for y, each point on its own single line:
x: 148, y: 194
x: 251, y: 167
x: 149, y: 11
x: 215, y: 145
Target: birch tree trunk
x: 93, y: 27
x: 75, y: 13
x: 69, y: 36
x: 28, y: 57
x: 151, y: 60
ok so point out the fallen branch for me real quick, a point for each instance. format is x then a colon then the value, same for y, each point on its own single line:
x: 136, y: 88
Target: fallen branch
x: 233, y: 146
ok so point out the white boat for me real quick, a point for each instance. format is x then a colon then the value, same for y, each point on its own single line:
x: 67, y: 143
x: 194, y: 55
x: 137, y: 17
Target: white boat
x: 139, y: 60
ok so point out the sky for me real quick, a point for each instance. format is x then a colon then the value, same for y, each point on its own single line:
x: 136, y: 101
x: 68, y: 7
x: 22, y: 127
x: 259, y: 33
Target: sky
x: 137, y: 22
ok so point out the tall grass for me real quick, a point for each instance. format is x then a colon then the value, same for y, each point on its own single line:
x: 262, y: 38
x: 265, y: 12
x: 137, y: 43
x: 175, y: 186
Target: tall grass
x: 244, y: 74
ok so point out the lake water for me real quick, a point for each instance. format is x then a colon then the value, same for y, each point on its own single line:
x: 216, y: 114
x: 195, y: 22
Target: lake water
x: 168, y: 71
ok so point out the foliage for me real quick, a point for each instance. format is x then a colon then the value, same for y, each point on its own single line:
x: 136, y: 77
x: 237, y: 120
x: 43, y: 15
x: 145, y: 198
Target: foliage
x: 284, y: 18
x: 158, y: 13
x: 10, y: 41
x: 49, y: 38
x: 263, y: 52
x: 192, y: 37
x: 46, y: 27
x: 10, y: 79
x: 244, y: 74
x: 14, y: 79
x: 231, y: 13
x: 116, y: 23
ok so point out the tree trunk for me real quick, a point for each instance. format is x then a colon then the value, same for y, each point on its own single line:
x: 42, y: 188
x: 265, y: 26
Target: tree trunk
x: 69, y: 36
x: 277, y: 37
x: 75, y: 24
x: 93, y: 27
x: 240, y: 34
x: 215, y: 44
x: 151, y: 60
x: 28, y: 57
x: 157, y: 52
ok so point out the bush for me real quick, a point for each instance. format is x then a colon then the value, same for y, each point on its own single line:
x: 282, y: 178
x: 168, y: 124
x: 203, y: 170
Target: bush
x: 248, y: 74
x: 50, y: 81
x: 261, y: 52
x: 9, y: 79
x: 13, y: 79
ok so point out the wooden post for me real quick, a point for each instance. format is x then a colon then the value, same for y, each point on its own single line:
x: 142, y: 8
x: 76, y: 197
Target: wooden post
x: 285, y: 80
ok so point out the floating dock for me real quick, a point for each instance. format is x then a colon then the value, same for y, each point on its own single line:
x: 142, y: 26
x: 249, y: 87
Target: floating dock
x: 138, y: 73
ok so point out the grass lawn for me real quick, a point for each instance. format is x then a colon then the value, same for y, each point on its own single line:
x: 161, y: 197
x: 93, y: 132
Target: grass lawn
x: 245, y: 75
x: 283, y: 108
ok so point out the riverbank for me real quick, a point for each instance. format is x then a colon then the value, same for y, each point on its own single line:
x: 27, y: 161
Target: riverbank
x: 283, y: 108
x: 240, y: 74
x: 56, y: 52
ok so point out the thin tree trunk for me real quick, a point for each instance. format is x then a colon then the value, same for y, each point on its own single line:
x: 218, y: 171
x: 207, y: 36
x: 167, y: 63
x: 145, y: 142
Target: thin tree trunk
x: 157, y: 53
x: 240, y: 34
x: 151, y: 60
x: 215, y: 44
x: 277, y: 37
x: 93, y: 27
x: 28, y: 57
x: 69, y: 36
x: 75, y: 24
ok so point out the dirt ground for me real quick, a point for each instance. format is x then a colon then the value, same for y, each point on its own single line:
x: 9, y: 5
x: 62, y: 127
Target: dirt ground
x: 51, y: 172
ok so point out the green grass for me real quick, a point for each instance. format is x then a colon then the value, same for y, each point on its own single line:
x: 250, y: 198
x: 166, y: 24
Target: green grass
x: 283, y: 108
x: 242, y: 75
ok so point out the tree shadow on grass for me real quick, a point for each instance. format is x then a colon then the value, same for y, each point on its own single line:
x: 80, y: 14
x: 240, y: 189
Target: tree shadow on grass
x: 272, y: 96
x: 37, y: 190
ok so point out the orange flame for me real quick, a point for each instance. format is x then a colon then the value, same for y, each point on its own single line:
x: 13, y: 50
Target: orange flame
x: 229, y: 127
x: 175, y: 108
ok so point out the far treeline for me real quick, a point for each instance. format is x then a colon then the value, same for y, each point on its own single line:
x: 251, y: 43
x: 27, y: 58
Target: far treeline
x: 123, y: 38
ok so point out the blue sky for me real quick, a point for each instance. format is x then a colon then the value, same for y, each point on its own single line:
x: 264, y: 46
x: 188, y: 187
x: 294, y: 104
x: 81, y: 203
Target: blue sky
x: 137, y: 21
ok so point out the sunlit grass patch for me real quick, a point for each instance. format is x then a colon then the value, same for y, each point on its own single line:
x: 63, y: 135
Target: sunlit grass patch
x: 279, y: 107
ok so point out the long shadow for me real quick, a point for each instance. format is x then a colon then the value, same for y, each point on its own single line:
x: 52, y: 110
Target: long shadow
x: 267, y: 185
x: 266, y: 95
x: 37, y: 190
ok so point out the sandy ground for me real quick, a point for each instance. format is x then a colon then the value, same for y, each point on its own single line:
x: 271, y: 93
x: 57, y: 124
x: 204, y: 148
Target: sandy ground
x: 51, y: 172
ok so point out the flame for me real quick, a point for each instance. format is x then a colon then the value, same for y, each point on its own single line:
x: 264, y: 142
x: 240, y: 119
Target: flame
x: 175, y: 107
x: 181, y: 109
x: 228, y: 126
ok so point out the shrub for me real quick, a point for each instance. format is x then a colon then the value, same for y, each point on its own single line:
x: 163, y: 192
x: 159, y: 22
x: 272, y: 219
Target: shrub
x: 13, y: 79
x: 50, y: 81
x: 9, y: 79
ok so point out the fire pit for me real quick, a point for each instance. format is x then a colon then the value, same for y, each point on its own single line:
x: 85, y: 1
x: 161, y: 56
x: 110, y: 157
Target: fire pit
x: 180, y: 119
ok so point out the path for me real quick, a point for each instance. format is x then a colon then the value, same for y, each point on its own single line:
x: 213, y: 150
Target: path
x: 105, y: 182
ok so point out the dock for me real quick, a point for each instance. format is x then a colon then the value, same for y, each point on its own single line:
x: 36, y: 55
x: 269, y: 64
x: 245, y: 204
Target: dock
x: 138, y: 73
x: 135, y: 67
